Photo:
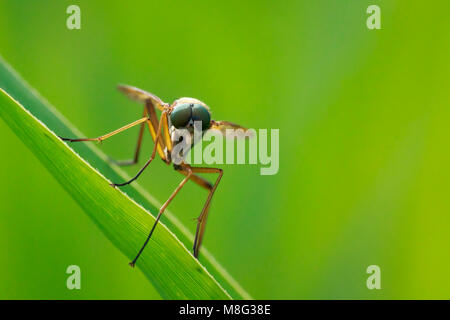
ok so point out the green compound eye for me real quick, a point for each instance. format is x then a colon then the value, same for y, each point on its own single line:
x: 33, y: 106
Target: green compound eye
x: 200, y: 113
x: 181, y: 115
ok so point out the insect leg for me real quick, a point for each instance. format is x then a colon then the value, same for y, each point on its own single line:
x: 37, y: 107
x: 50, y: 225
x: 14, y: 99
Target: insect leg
x: 138, y: 147
x: 106, y: 136
x: 161, y: 211
x: 157, y: 141
x: 201, y: 220
x: 202, y: 182
x: 153, y: 125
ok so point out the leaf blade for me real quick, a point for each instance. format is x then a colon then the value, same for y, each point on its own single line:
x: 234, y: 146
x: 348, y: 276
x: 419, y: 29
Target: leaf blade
x: 194, y: 282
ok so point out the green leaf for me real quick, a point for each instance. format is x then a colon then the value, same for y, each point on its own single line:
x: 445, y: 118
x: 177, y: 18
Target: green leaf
x: 124, y: 218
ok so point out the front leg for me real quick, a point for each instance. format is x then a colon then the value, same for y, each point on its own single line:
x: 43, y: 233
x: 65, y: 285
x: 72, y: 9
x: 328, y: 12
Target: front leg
x: 138, y: 148
x: 108, y: 135
x: 157, y: 138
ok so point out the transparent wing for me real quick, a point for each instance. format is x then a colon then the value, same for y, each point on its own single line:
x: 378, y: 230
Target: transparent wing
x: 139, y: 95
x: 231, y: 130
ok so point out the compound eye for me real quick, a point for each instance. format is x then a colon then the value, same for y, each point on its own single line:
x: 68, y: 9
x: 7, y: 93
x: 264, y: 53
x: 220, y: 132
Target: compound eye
x: 181, y: 115
x: 200, y: 113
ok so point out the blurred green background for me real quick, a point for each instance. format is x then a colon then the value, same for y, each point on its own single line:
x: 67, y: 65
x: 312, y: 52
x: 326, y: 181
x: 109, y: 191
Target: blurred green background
x: 364, y: 142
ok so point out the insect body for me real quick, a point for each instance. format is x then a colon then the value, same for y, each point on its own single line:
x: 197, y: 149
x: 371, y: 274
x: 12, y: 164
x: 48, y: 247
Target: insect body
x: 181, y: 114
